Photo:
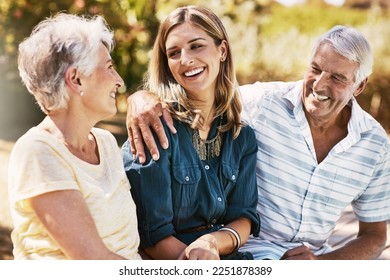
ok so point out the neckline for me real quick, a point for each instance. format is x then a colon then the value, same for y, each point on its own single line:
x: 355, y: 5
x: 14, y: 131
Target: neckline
x: 209, y: 148
x: 66, y: 150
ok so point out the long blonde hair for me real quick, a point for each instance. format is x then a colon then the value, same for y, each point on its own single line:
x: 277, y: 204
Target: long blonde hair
x: 159, y: 78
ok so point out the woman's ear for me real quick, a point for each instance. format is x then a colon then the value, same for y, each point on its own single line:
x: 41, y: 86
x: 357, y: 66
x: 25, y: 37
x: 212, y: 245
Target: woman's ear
x: 72, y: 79
x: 224, y: 50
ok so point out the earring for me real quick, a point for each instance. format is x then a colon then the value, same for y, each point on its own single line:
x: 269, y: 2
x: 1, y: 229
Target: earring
x: 81, y: 93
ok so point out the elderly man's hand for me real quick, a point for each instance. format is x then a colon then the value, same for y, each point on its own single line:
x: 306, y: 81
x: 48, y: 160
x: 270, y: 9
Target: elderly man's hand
x: 144, y: 110
x: 299, y: 253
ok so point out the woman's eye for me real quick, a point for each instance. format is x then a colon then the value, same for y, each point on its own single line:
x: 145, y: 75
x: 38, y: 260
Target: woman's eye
x: 196, y: 46
x: 173, y: 54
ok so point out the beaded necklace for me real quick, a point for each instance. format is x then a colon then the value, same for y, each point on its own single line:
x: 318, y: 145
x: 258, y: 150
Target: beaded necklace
x: 207, y: 148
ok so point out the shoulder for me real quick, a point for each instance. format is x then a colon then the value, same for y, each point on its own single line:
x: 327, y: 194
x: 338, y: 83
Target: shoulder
x: 103, y: 134
x: 104, y: 138
x: 247, y: 131
x: 369, y: 128
x: 183, y: 131
x: 246, y: 138
x: 248, y: 134
x: 257, y: 89
x: 34, y: 141
x: 262, y: 95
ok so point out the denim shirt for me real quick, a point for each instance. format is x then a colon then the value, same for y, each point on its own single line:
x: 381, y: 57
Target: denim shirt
x: 180, y: 191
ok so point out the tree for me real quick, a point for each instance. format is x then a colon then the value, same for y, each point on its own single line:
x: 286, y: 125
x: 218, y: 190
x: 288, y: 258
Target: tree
x: 133, y: 22
x: 270, y: 41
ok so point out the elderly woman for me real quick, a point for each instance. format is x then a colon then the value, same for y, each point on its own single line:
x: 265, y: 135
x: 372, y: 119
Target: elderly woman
x: 68, y: 189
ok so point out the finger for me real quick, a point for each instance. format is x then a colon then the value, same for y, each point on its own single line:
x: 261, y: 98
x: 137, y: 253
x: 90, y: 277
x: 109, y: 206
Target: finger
x: 157, y: 125
x: 131, y: 126
x: 131, y: 142
x: 192, y: 255
x: 182, y: 256
x: 149, y: 142
x: 160, y: 132
x: 137, y: 145
x: 290, y: 254
x: 202, y: 254
x: 168, y: 119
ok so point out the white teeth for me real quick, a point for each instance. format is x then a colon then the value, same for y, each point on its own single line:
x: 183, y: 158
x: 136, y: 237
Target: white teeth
x: 112, y: 95
x: 193, y: 72
x: 319, y: 97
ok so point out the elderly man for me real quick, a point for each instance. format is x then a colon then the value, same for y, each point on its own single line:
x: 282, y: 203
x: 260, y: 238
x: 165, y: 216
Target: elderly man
x: 318, y: 152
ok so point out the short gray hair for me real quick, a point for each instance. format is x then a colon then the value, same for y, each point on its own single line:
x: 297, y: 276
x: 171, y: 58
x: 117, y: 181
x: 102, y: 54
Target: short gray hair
x: 55, y: 44
x: 351, y: 44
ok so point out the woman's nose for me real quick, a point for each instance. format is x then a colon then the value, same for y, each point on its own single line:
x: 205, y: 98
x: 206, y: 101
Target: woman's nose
x: 186, y: 59
x: 119, y: 81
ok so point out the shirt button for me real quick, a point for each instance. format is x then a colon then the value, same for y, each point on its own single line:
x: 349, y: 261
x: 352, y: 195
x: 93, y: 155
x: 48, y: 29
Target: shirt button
x: 219, y: 199
x: 233, y: 177
x: 187, y: 178
x: 213, y: 221
x: 207, y: 167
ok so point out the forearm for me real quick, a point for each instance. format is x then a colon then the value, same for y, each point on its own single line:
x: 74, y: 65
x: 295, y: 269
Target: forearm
x: 226, y: 240
x: 90, y: 251
x: 108, y: 255
x: 168, y: 248
x: 368, y: 244
x: 210, y: 246
x: 362, y: 248
x: 67, y: 219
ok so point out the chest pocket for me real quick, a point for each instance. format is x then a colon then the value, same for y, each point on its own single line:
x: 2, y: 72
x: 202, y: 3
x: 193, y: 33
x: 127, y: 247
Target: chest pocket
x: 184, y: 185
x: 346, y: 187
x: 230, y: 175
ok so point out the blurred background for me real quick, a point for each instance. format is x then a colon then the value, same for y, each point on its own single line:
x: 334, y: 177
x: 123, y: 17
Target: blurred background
x: 271, y: 41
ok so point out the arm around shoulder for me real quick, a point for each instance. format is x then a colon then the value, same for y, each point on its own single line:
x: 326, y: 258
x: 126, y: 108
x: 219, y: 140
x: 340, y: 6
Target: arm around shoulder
x: 143, y: 115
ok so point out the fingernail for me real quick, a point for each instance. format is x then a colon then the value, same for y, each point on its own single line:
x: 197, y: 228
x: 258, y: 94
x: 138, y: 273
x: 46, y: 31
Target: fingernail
x: 141, y: 159
x: 165, y: 146
x: 155, y: 157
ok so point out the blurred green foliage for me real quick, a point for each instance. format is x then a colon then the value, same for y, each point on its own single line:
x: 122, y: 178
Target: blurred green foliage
x: 133, y: 21
x: 269, y: 41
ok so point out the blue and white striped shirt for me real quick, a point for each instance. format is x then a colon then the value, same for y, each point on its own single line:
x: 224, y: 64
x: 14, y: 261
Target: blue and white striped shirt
x: 300, y: 200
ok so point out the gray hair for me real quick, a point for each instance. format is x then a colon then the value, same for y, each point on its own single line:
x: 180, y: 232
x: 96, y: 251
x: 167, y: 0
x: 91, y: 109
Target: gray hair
x: 55, y: 44
x: 351, y: 44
